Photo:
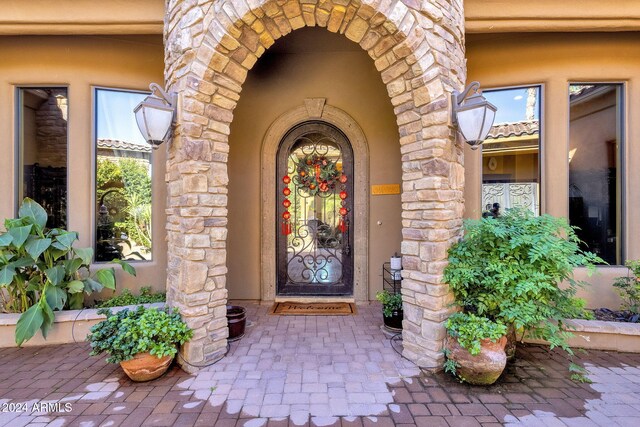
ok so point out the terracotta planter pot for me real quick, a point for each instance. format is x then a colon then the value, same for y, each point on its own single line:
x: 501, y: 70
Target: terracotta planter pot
x: 394, y: 323
x: 145, y: 366
x: 482, y: 369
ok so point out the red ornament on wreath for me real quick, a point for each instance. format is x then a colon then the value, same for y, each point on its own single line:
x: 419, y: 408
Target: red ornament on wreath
x: 317, y: 173
x: 286, y: 225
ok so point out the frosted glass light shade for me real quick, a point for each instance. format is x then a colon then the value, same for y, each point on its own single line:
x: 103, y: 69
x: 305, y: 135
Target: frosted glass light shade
x: 154, y: 117
x: 473, y: 114
x: 475, y: 123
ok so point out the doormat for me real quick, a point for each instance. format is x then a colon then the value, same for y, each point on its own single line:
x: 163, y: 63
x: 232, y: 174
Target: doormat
x: 288, y: 308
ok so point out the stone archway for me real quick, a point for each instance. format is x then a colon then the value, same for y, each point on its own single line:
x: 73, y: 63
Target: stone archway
x: 211, y: 46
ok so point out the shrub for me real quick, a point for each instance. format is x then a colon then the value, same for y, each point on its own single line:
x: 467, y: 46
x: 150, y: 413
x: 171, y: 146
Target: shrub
x: 470, y: 329
x: 390, y: 302
x: 128, y: 332
x: 629, y: 287
x: 509, y: 269
x: 147, y: 296
x: 42, y: 271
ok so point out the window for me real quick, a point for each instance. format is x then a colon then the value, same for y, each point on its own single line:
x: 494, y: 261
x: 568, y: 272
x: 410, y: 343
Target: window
x: 511, y: 152
x: 42, y: 136
x: 595, y: 167
x: 123, y: 179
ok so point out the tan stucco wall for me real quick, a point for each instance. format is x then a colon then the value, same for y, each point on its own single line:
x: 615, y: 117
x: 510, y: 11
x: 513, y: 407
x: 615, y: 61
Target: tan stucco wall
x: 278, y: 83
x: 555, y: 60
x: 81, y: 17
x: 500, y: 16
x: 80, y: 63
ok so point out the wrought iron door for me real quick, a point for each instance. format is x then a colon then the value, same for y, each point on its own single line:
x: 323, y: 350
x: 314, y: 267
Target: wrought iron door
x: 315, y: 212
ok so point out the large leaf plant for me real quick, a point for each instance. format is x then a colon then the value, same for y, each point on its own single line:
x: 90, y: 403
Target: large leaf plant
x: 41, y: 271
x: 518, y: 269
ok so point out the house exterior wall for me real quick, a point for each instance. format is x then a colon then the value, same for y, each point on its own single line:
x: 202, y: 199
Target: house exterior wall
x: 79, y: 63
x: 507, y: 43
x: 555, y: 60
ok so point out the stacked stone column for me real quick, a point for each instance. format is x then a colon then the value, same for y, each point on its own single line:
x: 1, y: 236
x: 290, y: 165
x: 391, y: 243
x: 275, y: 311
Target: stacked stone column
x: 210, y: 47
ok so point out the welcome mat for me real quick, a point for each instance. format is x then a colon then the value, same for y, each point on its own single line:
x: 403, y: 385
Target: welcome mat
x: 288, y: 308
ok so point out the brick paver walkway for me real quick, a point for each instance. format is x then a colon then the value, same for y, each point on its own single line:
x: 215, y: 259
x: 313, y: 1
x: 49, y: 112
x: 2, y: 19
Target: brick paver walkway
x: 313, y: 370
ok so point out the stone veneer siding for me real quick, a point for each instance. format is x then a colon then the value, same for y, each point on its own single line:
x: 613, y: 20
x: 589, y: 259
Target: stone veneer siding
x: 210, y: 46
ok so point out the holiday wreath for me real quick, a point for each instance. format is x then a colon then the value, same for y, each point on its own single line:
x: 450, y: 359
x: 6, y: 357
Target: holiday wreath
x: 317, y: 173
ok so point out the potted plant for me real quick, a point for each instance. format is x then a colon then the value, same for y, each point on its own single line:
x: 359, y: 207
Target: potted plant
x: 143, y: 341
x: 391, y: 309
x: 474, y: 348
x: 509, y: 269
x: 43, y: 272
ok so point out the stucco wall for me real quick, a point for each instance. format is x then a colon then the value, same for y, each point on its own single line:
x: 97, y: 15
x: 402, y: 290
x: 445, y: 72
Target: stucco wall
x: 555, y: 60
x: 79, y: 63
x: 281, y: 80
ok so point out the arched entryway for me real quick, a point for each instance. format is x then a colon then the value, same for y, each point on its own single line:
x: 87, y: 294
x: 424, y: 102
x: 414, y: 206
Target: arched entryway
x: 418, y: 49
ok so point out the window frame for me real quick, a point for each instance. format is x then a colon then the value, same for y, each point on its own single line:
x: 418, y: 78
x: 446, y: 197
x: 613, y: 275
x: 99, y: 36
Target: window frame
x: 94, y: 171
x: 18, y: 127
x: 541, y: 141
x: 621, y: 118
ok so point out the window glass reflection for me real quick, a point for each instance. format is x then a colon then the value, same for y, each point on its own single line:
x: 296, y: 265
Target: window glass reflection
x: 511, y: 152
x: 123, y: 179
x: 43, y: 127
x: 594, y: 167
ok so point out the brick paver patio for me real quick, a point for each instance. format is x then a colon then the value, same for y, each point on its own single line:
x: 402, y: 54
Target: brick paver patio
x: 313, y: 370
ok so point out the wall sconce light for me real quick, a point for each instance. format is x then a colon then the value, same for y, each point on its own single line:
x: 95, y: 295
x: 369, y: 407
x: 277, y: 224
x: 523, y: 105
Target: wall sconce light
x: 155, y: 114
x: 473, y: 114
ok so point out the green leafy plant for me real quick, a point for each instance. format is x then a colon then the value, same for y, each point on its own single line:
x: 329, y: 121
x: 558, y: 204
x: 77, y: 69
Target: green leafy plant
x: 390, y: 302
x: 450, y: 365
x: 126, y: 333
x: 41, y: 271
x: 579, y: 374
x: 629, y: 287
x: 510, y: 268
x: 147, y: 296
x: 470, y: 329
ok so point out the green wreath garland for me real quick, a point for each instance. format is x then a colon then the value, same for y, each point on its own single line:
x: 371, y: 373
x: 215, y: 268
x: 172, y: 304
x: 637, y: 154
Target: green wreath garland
x: 317, y: 174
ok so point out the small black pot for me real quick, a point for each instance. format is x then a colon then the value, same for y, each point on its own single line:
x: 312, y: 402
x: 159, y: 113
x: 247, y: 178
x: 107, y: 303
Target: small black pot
x: 395, y: 321
x: 236, y: 321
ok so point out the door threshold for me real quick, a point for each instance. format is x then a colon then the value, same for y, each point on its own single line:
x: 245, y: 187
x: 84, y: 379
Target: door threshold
x: 312, y: 298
